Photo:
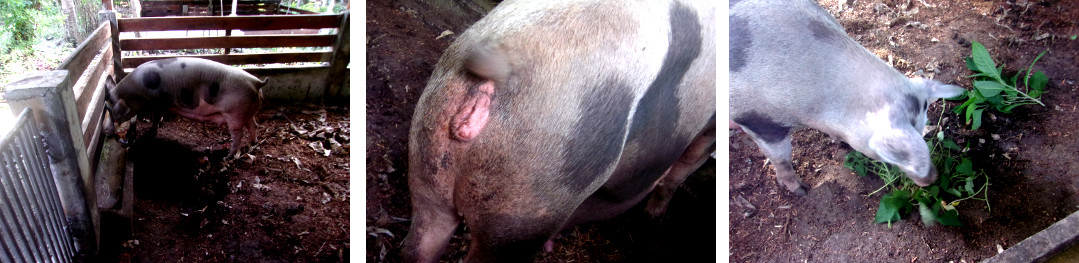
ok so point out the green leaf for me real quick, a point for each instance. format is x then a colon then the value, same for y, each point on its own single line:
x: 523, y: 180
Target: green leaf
x: 1008, y: 108
x: 891, y: 205
x: 965, y: 167
x: 977, y: 119
x: 949, y: 218
x: 951, y: 145
x: 1035, y: 94
x: 965, y: 105
x: 1038, y: 82
x: 970, y: 186
x: 928, y: 216
x: 970, y: 64
x: 982, y: 61
x: 989, y: 88
x: 953, y: 192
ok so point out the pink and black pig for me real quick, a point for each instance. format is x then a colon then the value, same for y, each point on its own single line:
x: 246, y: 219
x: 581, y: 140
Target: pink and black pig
x: 792, y: 65
x: 548, y: 114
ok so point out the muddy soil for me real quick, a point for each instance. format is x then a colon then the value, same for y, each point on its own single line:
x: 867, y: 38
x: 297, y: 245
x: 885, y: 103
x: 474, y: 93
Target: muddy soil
x: 402, y: 50
x: 284, y: 201
x: 1030, y: 156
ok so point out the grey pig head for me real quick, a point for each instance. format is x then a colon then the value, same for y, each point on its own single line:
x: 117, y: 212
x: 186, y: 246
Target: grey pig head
x: 125, y: 99
x: 897, y: 130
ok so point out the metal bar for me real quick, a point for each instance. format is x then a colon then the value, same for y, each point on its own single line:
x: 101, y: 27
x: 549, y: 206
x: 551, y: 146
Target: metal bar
x: 32, y: 228
x: 24, y: 190
x: 48, y: 199
x: 33, y: 133
x: 14, y: 215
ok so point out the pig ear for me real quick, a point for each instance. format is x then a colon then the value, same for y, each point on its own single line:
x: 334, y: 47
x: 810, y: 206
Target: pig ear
x: 937, y: 89
x: 109, y: 83
x: 903, y: 148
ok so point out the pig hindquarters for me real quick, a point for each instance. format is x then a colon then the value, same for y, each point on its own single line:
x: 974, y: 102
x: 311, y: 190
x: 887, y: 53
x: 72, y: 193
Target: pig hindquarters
x: 195, y: 88
x: 792, y: 65
x: 544, y: 115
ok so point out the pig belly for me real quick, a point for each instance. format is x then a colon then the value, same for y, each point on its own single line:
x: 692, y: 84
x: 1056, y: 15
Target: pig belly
x: 204, y: 112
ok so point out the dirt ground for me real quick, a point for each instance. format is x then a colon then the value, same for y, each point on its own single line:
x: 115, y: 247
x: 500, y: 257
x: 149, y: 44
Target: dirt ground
x: 1033, y: 168
x: 402, y: 50
x: 284, y: 202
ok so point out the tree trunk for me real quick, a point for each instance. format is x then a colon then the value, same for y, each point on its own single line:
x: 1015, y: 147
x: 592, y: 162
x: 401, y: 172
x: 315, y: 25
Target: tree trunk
x: 71, y: 21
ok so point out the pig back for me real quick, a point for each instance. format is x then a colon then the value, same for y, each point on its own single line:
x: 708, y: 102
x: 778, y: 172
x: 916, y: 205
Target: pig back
x: 791, y: 61
x: 591, y: 94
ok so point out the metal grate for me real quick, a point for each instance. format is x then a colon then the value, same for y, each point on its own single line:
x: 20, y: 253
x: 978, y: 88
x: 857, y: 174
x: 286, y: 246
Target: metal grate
x: 32, y: 224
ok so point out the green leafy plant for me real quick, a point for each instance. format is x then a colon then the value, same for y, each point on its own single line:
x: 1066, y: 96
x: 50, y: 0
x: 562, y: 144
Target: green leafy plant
x: 17, y: 19
x: 993, y: 90
x: 957, y: 181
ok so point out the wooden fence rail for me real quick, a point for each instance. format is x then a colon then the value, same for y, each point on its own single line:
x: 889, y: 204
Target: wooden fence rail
x: 328, y: 79
x: 245, y: 23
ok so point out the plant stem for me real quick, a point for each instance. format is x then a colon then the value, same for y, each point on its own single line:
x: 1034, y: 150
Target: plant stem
x: 1021, y: 92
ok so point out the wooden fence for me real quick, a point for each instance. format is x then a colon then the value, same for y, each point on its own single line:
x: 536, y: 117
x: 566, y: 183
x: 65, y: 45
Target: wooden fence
x: 216, y: 8
x: 68, y: 103
x: 324, y: 82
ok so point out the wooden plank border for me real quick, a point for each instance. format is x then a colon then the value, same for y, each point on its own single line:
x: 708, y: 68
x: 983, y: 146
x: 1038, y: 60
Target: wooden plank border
x: 273, y: 22
x: 240, y: 59
x: 227, y: 42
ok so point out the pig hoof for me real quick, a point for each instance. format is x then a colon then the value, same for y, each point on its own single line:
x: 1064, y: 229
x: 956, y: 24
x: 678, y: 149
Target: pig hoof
x: 548, y: 246
x: 800, y: 191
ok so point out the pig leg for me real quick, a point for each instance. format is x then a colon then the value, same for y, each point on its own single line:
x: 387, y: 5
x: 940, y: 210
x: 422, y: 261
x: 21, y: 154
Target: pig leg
x: 774, y: 140
x: 694, y: 156
x: 252, y: 128
x: 433, y: 223
x: 236, y: 124
x: 237, y: 134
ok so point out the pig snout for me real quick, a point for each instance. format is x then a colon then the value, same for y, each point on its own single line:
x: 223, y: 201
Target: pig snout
x: 928, y: 179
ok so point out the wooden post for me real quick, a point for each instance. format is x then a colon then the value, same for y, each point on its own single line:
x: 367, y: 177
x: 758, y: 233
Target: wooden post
x: 107, y: 4
x: 117, y: 67
x: 336, y: 77
x: 54, y: 110
x: 136, y: 8
x: 228, y: 32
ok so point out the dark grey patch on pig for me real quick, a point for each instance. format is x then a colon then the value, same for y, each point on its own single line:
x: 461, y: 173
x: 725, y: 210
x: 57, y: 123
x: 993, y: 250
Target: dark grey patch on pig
x: 151, y: 79
x: 741, y: 40
x: 733, y: 2
x: 824, y: 32
x: 657, y: 113
x: 769, y: 130
x: 211, y: 96
x: 901, y: 156
x: 187, y: 98
x: 600, y: 130
x: 183, y: 65
x: 444, y: 162
x: 913, y: 106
